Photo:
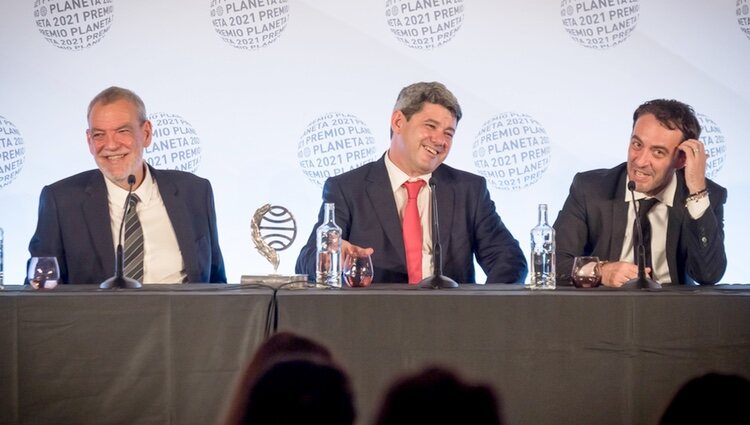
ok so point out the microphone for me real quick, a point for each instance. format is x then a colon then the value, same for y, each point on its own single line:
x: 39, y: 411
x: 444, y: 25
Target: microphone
x: 642, y: 281
x: 119, y: 280
x: 437, y: 280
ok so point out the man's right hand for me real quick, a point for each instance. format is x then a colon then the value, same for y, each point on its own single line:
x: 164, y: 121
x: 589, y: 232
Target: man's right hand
x: 348, y: 249
x: 615, y: 274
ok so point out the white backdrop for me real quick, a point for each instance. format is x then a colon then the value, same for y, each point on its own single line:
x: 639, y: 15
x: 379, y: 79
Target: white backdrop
x: 267, y: 97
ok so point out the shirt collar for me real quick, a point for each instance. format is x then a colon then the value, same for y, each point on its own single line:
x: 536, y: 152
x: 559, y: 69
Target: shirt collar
x: 398, y: 177
x: 666, y: 196
x: 117, y: 194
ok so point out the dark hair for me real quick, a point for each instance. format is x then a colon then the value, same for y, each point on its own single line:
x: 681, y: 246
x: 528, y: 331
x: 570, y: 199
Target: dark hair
x: 300, y: 392
x: 673, y: 115
x: 114, y: 94
x: 713, y: 398
x: 278, y: 347
x: 412, y: 98
x: 436, y: 395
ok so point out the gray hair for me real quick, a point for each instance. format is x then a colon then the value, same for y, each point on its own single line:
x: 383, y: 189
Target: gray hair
x: 113, y: 94
x: 412, y: 98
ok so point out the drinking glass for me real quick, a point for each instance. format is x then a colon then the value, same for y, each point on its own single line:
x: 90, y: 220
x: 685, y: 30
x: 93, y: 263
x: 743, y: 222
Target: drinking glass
x: 586, y: 272
x: 43, y: 272
x: 358, y: 271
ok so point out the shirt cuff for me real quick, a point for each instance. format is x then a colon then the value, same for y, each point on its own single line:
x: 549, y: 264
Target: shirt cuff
x: 698, y: 207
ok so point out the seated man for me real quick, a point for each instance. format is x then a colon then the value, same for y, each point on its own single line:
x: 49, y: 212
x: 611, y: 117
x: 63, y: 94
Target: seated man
x: 375, y: 208
x: 80, y: 216
x: 667, y: 163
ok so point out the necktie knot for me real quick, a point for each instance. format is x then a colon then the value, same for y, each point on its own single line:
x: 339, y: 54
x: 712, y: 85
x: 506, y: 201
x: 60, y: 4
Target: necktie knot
x: 645, y: 205
x: 133, y: 199
x: 413, y: 188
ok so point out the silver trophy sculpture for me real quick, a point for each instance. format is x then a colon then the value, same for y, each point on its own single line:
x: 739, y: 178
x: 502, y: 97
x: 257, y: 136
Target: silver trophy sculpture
x: 273, y: 229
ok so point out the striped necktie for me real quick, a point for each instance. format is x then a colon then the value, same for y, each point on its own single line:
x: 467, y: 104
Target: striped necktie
x: 133, y: 249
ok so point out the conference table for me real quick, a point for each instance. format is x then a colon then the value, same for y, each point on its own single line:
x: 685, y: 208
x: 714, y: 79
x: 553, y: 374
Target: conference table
x: 171, y: 354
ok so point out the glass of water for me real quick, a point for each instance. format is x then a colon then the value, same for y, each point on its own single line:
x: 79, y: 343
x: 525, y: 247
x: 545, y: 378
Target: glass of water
x: 43, y: 272
x: 358, y: 271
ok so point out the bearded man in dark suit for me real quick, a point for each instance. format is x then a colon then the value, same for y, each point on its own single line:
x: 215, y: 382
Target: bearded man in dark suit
x: 80, y: 216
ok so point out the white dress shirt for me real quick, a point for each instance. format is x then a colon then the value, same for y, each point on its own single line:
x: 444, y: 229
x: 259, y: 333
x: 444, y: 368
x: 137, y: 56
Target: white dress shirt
x: 659, y: 218
x: 162, y: 258
x: 398, y: 178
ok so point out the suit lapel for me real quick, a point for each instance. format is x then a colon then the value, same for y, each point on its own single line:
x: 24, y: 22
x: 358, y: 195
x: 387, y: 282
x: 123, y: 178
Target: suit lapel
x: 98, y: 222
x: 380, y: 195
x: 180, y: 218
x: 619, y: 214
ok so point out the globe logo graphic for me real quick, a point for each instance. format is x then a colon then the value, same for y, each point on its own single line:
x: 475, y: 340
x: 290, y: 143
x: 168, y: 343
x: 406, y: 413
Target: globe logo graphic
x: 743, y: 16
x: 12, y: 152
x: 714, y: 143
x: 599, y: 25
x: 175, y: 145
x: 424, y: 25
x: 512, y: 151
x: 249, y: 25
x: 278, y: 228
x: 333, y: 144
x: 73, y: 25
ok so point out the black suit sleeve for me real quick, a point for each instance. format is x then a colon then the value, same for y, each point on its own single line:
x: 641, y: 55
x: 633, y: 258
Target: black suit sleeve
x: 218, y: 274
x: 496, y: 250
x: 571, y: 230
x: 704, y: 241
x: 47, y: 239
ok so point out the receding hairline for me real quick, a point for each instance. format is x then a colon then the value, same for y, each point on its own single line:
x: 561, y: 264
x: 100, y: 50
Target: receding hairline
x: 114, y: 94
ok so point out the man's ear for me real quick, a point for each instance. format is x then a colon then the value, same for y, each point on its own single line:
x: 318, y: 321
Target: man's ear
x: 397, y: 121
x: 680, y: 161
x: 148, y: 132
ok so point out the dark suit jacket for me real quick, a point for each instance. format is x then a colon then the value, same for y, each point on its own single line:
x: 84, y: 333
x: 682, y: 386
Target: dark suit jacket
x: 74, y: 226
x: 593, y: 221
x: 366, y: 211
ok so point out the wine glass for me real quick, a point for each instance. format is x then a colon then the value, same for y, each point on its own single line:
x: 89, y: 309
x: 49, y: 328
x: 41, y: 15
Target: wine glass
x: 43, y: 272
x: 358, y: 271
x: 586, y: 272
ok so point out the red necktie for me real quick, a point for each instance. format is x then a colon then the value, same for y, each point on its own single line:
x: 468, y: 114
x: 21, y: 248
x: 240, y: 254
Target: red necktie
x: 413, y: 232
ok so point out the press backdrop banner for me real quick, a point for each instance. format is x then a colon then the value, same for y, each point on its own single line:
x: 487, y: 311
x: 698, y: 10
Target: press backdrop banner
x: 268, y: 98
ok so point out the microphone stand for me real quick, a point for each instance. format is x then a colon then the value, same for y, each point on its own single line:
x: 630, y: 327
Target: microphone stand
x: 437, y: 280
x: 119, y: 280
x: 642, y: 281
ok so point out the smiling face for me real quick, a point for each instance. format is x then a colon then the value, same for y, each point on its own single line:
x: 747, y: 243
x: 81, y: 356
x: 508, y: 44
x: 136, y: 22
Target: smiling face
x: 116, y: 139
x: 653, y: 156
x: 420, y: 144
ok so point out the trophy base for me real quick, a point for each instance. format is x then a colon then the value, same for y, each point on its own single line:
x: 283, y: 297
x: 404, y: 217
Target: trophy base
x: 275, y: 280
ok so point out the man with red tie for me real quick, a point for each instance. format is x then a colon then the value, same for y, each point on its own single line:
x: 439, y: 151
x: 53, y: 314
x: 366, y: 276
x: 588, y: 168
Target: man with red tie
x: 383, y: 207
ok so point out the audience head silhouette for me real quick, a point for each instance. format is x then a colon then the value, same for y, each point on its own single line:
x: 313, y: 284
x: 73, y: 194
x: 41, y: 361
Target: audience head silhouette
x: 300, y: 392
x: 437, y: 396
x: 710, y: 399
x: 282, y: 346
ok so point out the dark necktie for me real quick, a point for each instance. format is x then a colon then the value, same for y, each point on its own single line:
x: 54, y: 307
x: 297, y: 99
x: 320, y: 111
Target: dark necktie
x: 645, y: 206
x: 412, y: 228
x: 133, y: 249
